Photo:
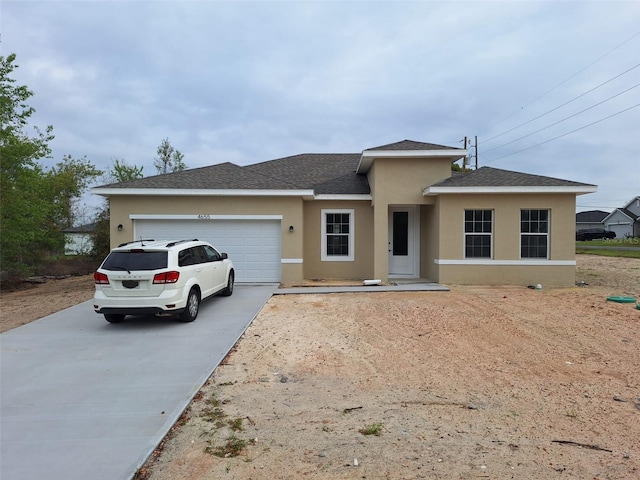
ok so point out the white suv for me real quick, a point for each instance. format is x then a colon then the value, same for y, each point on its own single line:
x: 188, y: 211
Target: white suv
x: 160, y: 278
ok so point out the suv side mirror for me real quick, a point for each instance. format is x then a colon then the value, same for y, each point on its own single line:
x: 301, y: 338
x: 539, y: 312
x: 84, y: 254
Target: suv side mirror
x: 224, y: 256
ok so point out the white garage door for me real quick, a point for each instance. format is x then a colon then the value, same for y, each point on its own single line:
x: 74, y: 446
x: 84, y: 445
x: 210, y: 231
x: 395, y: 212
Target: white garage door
x: 252, y: 245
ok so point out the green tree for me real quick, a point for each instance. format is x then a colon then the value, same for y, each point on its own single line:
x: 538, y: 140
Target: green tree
x: 120, y: 171
x: 101, y: 237
x: 25, y: 211
x: 36, y: 203
x: 67, y: 182
x: 169, y: 159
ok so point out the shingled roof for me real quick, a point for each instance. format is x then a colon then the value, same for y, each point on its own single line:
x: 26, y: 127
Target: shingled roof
x: 322, y: 173
x: 495, y: 177
x: 325, y: 173
x: 591, y: 216
x: 412, y: 145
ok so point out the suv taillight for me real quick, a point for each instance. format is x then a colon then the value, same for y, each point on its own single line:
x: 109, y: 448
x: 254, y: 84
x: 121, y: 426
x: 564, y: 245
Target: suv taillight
x: 100, y: 278
x: 166, y: 277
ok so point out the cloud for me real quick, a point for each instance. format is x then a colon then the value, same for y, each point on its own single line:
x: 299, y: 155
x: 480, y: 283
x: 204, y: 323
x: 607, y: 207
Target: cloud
x: 251, y: 81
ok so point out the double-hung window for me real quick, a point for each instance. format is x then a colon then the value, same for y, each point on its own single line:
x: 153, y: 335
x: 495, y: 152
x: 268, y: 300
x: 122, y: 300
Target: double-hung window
x: 534, y: 234
x: 478, y: 232
x: 337, y: 235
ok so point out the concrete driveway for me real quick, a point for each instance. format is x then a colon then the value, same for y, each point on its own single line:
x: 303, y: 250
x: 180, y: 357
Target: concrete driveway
x: 81, y: 398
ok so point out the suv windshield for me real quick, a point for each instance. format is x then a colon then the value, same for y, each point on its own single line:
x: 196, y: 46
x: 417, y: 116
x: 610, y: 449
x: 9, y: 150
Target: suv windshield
x: 135, y: 260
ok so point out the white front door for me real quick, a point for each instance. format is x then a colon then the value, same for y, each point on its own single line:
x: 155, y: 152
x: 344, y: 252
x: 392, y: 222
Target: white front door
x: 403, y: 241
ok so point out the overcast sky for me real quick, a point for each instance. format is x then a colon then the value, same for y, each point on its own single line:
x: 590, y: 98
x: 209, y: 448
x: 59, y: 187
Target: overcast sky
x: 246, y: 82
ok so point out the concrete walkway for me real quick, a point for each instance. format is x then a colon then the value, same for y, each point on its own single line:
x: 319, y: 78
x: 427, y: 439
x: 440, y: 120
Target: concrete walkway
x: 400, y: 286
x: 84, y: 399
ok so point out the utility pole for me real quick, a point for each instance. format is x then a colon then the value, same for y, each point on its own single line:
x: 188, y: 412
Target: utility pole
x: 464, y: 160
x: 476, y: 152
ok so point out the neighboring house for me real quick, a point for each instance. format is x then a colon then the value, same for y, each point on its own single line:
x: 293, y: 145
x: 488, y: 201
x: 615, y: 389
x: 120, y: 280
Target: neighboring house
x: 590, y: 219
x: 79, y: 240
x: 389, y: 212
x: 625, y: 221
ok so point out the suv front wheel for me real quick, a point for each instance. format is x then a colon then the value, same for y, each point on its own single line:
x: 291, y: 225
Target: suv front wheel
x: 229, y: 288
x: 193, y: 306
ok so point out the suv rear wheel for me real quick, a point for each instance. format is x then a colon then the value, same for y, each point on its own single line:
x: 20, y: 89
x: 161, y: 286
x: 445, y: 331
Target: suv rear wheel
x: 193, y: 307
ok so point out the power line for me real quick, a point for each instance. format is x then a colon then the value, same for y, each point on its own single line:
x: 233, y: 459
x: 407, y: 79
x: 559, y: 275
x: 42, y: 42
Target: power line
x: 565, y: 134
x: 564, y: 119
x: 562, y: 105
x: 595, y: 206
x: 571, y: 77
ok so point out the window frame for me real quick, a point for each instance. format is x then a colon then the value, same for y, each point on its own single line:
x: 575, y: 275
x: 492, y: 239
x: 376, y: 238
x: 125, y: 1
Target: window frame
x: 476, y: 234
x: 546, y: 234
x: 211, y: 253
x: 324, y: 257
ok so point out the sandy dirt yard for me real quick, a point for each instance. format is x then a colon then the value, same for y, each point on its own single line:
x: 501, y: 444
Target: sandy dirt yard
x: 478, y: 382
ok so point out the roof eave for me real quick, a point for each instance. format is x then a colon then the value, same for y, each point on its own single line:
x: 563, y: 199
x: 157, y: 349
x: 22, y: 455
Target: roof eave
x: 576, y: 190
x: 617, y: 210
x: 305, y: 194
x: 204, y: 192
x: 344, y: 197
x: 368, y: 156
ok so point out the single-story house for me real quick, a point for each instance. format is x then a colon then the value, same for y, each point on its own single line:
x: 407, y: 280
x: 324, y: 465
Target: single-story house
x: 79, y: 240
x: 625, y: 221
x: 389, y: 212
x: 590, y: 219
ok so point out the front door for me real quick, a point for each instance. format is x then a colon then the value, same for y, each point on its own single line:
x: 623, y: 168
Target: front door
x: 403, y: 241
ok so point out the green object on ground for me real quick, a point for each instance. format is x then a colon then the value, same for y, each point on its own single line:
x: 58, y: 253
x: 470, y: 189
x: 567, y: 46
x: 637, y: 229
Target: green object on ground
x: 622, y: 299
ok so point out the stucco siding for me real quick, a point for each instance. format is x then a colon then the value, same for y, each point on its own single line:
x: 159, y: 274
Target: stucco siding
x: 400, y: 181
x: 546, y: 275
x: 429, y: 231
x: 396, y: 182
x: 362, y: 266
x: 557, y: 269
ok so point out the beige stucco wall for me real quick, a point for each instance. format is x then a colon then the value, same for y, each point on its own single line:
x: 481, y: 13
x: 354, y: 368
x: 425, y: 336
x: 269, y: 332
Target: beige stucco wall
x: 441, y: 227
x: 362, y: 266
x: 429, y: 231
x: 399, y: 181
x: 547, y: 276
x: 291, y: 208
x: 506, y: 239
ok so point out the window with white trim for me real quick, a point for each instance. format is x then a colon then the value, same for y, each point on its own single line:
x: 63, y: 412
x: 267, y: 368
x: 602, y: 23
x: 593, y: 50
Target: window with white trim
x: 478, y: 233
x: 337, y: 235
x: 534, y: 234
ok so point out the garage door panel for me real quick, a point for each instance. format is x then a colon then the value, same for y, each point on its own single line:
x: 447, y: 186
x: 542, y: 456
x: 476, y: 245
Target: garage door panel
x: 252, y: 245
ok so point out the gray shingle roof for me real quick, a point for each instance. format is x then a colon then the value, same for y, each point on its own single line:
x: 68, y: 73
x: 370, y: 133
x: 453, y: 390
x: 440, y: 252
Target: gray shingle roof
x: 221, y: 176
x: 326, y: 173
x: 591, y: 216
x: 412, y: 145
x: 495, y: 177
x: 323, y: 173
x: 88, y: 228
